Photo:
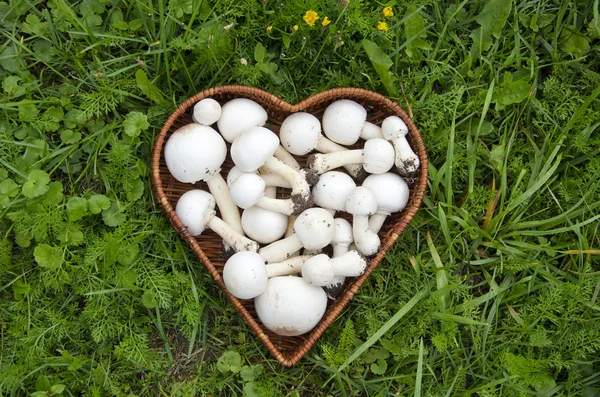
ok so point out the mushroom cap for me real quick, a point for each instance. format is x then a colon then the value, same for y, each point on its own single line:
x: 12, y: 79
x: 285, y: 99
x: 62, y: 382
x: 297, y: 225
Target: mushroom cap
x: 206, y: 112
x: 233, y: 174
x: 239, y: 115
x: 315, y: 228
x: 332, y: 189
x: 253, y: 148
x: 195, y: 152
x: 318, y: 271
x: 393, y: 127
x: 263, y: 226
x: 391, y: 191
x: 290, y: 306
x: 343, y: 232
x: 247, y: 190
x: 379, y: 156
x: 343, y: 121
x: 299, y: 133
x: 361, y: 201
x: 195, y: 209
x: 245, y: 275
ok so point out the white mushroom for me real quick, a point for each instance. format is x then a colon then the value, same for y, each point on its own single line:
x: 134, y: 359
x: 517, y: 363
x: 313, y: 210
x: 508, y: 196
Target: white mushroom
x: 196, y: 210
x: 262, y: 225
x: 206, y: 111
x: 248, y: 190
x: 254, y: 148
x: 239, y: 115
x: 320, y: 270
x: 195, y: 152
x: 370, y: 131
x: 361, y: 203
x: 391, y: 192
x: 314, y: 228
x: 394, y: 129
x: 342, y: 239
x: 343, y: 121
x: 245, y: 274
x: 377, y: 157
x: 332, y: 190
x: 290, y: 306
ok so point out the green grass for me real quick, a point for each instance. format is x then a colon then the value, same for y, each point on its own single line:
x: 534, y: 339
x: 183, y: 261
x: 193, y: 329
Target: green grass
x: 491, y: 291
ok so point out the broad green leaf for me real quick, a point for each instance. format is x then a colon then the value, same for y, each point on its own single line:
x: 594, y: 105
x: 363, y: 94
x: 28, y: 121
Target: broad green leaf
x: 47, y: 256
x: 512, y: 92
x: 128, y: 254
x: 10, y: 84
x: 113, y: 216
x: 259, y: 53
x: 572, y: 41
x: 149, y: 299
x: 415, y: 34
x: 20, y: 289
x: 286, y: 38
x: 77, y: 208
x: 8, y: 190
x: 147, y: 87
x: 57, y: 389
x: 382, y: 63
x: 70, y: 137
x: 71, y: 234
x: 230, y: 361
x: 251, y: 389
x: 42, y: 383
x: 497, y: 157
x: 33, y: 25
x: 250, y: 373
x: 135, y: 191
x: 37, y: 184
x: 11, y: 60
x: 492, y: 19
x: 135, y: 123
x: 379, y: 367
x: 54, y: 195
x: 98, y: 203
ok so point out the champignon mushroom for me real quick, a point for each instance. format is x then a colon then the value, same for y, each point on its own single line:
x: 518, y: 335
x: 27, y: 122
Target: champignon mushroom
x: 394, y: 129
x: 314, y: 229
x: 320, y: 270
x: 370, y: 131
x: 342, y: 239
x: 391, y: 192
x: 245, y: 274
x: 377, y: 157
x: 343, y: 121
x: 196, y: 210
x: 196, y: 152
x: 248, y: 190
x: 262, y: 225
x: 255, y: 148
x: 332, y: 190
x: 290, y: 306
x: 239, y: 115
x: 361, y: 203
x: 206, y: 111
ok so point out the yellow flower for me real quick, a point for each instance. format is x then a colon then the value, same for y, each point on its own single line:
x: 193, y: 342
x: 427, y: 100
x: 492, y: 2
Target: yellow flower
x: 310, y: 17
x: 269, y: 29
x: 388, y: 12
x: 326, y: 21
x: 382, y: 26
x: 295, y: 28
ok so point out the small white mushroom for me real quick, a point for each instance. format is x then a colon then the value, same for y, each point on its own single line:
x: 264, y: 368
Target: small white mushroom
x: 320, y: 270
x: 377, y: 157
x: 196, y: 152
x: 340, y: 243
x: 262, y: 225
x: 245, y: 274
x: 196, y: 210
x: 206, y: 111
x: 361, y: 203
x: 239, y: 115
x: 314, y: 229
x: 343, y: 121
x: 254, y: 148
x: 332, y: 190
x: 391, y: 192
x: 290, y: 306
x: 394, y: 129
x: 248, y: 190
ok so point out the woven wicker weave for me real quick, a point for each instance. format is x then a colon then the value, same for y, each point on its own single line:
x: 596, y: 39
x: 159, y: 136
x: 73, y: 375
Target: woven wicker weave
x: 207, y: 247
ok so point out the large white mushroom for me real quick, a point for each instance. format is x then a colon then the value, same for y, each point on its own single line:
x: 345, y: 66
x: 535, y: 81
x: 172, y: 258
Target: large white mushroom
x: 239, y: 115
x: 377, y: 157
x: 332, y: 190
x: 262, y: 225
x: 344, y: 121
x: 290, y: 306
x: 395, y: 129
x: 196, y: 153
x: 196, y: 210
x: 391, y: 192
x: 361, y: 203
x: 314, y: 229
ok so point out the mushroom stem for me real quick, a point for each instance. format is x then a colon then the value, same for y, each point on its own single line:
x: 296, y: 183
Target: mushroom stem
x: 300, y: 189
x: 376, y: 221
x: 339, y: 250
x: 351, y: 264
x: 281, y: 250
x: 370, y: 131
x: 290, y: 230
x: 286, y: 158
x: 283, y: 206
x: 229, y: 211
x: 366, y: 240
x: 271, y: 191
x: 325, y: 145
x: 287, y: 267
x: 407, y: 162
x: 231, y: 237
x: 327, y: 162
x: 275, y: 180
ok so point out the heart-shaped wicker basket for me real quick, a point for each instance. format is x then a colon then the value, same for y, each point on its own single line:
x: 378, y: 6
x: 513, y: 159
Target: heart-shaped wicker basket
x: 288, y: 350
